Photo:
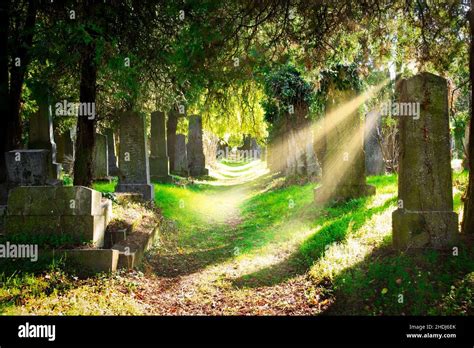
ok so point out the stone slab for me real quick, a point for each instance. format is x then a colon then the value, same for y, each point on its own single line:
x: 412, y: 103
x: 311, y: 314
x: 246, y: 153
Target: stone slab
x: 94, y: 260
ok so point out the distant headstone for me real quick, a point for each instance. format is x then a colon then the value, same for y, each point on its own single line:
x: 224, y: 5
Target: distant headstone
x: 171, y: 127
x: 113, y: 168
x: 181, y: 158
x: 77, y: 212
x: 256, y: 149
x: 210, y: 141
x: 195, y: 152
x: 425, y: 216
x: 100, y: 158
x: 344, y: 161
x: 134, y: 168
x: 65, y: 150
x: 159, y: 161
x: 313, y: 168
x: 41, y: 137
x: 374, y: 163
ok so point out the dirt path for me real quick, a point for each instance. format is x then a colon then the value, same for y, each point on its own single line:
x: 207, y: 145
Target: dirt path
x: 212, y: 280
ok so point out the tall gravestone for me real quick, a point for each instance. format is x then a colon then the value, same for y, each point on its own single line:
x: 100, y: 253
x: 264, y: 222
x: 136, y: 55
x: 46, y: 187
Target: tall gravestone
x: 195, y: 151
x: 425, y: 216
x: 100, y: 159
x: 134, y: 170
x: 343, y: 176
x: 113, y: 168
x: 41, y: 137
x: 171, y: 127
x: 159, y: 161
x: 180, y: 156
x: 374, y: 163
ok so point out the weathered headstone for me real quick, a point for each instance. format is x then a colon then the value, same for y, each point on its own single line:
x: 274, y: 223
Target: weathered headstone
x: 374, y: 163
x: 181, y: 158
x: 195, y: 152
x: 425, y: 216
x: 171, y: 127
x: 134, y: 168
x: 41, y: 137
x: 159, y: 161
x: 29, y: 168
x: 344, y: 161
x: 76, y: 212
x: 100, y: 167
x: 65, y: 150
x: 113, y: 168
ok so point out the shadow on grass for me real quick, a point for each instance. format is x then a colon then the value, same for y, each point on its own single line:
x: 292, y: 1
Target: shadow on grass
x: 314, y: 247
x: 418, y: 282
x: 173, y: 265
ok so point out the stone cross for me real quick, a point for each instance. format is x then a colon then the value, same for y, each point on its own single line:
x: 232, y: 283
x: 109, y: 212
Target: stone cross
x: 425, y: 216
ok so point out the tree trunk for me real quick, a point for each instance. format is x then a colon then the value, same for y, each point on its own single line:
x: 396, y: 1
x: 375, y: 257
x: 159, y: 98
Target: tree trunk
x: 86, y: 126
x: 4, y: 20
x: 17, y: 77
x: 468, y: 216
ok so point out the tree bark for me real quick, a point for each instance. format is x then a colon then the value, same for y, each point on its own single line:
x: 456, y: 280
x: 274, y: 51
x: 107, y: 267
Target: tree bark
x: 4, y: 21
x: 468, y: 216
x: 17, y: 77
x: 85, y: 126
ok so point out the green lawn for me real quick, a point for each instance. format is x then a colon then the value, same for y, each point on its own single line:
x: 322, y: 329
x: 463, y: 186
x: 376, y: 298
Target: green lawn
x: 272, y: 232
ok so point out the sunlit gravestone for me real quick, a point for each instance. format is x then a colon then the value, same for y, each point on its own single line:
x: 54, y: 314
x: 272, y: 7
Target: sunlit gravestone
x: 159, y: 161
x: 195, y: 150
x: 180, y: 156
x: 425, y: 216
x: 100, y: 167
x: 134, y: 169
x: 343, y: 163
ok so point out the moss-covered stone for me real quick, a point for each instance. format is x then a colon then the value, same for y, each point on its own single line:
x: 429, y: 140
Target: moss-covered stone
x: 76, y: 211
x: 425, y: 216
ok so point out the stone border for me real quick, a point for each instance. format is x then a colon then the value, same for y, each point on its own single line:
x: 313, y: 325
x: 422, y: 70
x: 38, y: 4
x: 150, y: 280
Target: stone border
x: 108, y: 260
